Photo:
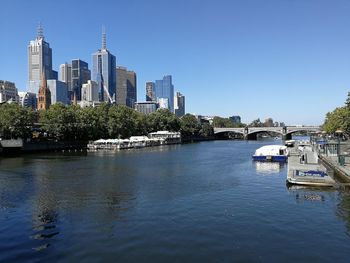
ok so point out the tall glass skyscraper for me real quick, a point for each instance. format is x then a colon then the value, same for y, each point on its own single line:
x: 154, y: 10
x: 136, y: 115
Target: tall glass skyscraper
x: 164, y: 89
x: 104, y: 71
x: 39, y: 60
x: 80, y: 75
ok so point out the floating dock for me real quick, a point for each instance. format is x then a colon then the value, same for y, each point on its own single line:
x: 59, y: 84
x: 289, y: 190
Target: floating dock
x: 305, y: 169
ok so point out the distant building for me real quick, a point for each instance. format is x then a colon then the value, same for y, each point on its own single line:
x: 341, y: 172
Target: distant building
x: 179, y: 104
x: 66, y: 75
x: 39, y: 61
x: 44, y: 95
x: 164, y: 89
x: 104, y: 71
x: 235, y: 119
x: 80, y: 75
x: 205, y: 119
x: 163, y: 103
x: 8, y: 91
x: 58, y: 90
x: 126, y: 87
x: 27, y: 99
x: 89, y: 91
x: 146, y: 107
x: 54, y: 74
x: 268, y: 122
x: 150, y: 93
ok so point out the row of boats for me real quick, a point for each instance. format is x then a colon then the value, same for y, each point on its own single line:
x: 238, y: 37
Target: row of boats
x: 303, y: 165
x: 153, y: 139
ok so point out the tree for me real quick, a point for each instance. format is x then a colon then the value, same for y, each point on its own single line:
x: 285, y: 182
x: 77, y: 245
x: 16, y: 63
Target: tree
x: 207, y: 130
x: 189, y: 126
x: 162, y: 120
x: 122, y: 121
x: 15, y: 121
x: 337, y: 119
x: 256, y: 123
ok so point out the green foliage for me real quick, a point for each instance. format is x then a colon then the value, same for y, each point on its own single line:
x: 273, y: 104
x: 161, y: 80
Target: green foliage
x: 207, y: 130
x: 122, y: 121
x: 15, y: 121
x: 339, y: 119
x: 256, y: 123
x: 189, y: 126
x: 163, y: 120
x: 219, y: 122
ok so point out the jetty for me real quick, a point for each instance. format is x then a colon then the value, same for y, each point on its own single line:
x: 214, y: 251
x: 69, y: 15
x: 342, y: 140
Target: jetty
x: 304, y: 167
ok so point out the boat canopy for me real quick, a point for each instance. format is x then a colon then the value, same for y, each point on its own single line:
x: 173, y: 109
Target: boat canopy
x: 271, y: 150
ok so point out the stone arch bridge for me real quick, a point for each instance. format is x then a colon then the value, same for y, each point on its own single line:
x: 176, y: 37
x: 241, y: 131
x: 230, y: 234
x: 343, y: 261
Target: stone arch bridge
x: 250, y: 133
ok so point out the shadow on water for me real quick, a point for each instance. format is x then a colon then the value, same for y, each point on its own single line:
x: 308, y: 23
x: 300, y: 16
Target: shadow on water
x: 268, y: 168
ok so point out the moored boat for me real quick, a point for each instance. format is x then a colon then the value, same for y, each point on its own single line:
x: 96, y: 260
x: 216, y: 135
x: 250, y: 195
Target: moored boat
x: 273, y: 153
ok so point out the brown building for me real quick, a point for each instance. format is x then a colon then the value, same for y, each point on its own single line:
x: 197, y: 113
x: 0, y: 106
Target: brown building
x: 44, y: 95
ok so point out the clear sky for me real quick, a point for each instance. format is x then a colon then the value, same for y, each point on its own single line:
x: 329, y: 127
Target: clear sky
x: 285, y: 59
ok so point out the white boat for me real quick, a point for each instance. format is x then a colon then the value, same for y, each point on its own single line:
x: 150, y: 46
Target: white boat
x: 310, y: 177
x: 289, y: 143
x: 273, y: 153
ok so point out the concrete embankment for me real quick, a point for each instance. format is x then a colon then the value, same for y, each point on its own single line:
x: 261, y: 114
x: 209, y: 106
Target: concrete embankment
x: 342, y: 172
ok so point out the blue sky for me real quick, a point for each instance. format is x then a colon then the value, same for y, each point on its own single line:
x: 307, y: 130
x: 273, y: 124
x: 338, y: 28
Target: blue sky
x: 285, y: 59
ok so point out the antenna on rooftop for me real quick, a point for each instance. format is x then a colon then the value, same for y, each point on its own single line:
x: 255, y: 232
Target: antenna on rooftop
x: 104, y: 41
x: 40, y: 31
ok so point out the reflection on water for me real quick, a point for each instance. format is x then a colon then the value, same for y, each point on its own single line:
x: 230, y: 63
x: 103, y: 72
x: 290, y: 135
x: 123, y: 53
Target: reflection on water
x: 311, y: 193
x: 268, y: 168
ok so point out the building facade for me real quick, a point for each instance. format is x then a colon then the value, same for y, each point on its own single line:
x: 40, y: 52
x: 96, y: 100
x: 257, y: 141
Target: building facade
x: 44, y: 95
x: 58, y: 90
x: 66, y: 75
x: 146, y: 107
x: 104, y: 72
x: 39, y: 61
x: 235, y: 119
x: 150, y: 94
x: 179, y: 104
x: 80, y: 75
x: 8, y: 91
x: 126, y: 87
x: 164, y: 89
x: 27, y: 99
x: 89, y: 91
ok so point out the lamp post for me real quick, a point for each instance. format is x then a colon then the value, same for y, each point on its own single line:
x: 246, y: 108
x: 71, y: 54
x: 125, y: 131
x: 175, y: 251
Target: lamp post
x: 338, y: 132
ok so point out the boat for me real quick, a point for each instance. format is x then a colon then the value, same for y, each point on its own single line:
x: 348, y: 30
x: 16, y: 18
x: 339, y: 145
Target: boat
x: 310, y: 178
x: 273, y: 153
x: 289, y: 143
x: 11, y: 146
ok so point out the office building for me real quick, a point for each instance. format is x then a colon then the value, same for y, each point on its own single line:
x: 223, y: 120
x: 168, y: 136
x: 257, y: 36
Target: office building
x: 164, y: 89
x: 58, y: 90
x: 27, y: 99
x: 80, y: 75
x: 150, y: 94
x: 126, y: 87
x: 163, y: 103
x: 89, y: 91
x: 54, y: 75
x: 179, y: 104
x: 8, y: 91
x: 268, y: 122
x: 146, y: 107
x: 66, y: 75
x: 39, y: 61
x: 104, y: 72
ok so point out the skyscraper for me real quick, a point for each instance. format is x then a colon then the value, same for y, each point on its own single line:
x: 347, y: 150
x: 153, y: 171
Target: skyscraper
x: 150, y: 96
x: 66, y: 75
x: 126, y: 87
x: 80, y: 75
x: 164, y: 89
x: 8, y: 91
x: 104, y: 71
x: 179, y: 104
x: 39, y: 61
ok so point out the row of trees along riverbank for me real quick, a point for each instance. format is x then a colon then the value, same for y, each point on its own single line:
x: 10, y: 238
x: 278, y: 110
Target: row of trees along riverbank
x: 338, y: 120
x: 106, y: 121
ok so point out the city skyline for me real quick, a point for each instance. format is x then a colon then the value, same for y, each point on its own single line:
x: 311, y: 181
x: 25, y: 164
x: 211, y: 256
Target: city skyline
x: 253, y: 59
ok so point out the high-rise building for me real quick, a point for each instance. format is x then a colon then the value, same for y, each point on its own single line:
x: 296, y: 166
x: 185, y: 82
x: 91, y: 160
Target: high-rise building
x: 268, y: 122
x: 54, y: 75
x: 39, y: 61
x: 126, y: 87
x: 8, y: 91
x: 150, y: 94
x: 80, y: 75
x: 66, y: 75
x: 58, y: 90
x: 235, y: 119
x: 179, y: 104
x: 164, y: 89
x: 27, y: 99
x: 44, y: 95
x: 89, y: 91
x: 146, y: 107
x: 104, y: 71
x: 163, y: 103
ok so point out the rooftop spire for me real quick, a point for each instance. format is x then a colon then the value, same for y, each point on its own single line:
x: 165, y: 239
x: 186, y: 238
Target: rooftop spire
x: 104, y: 44
x: 40, y: 31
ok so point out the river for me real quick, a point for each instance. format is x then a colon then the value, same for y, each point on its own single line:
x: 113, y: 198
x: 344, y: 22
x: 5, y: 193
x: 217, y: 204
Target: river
x: 201, y: 202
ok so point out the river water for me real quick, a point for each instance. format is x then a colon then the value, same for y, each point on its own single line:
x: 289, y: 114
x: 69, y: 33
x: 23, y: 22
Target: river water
x: 202, y: 202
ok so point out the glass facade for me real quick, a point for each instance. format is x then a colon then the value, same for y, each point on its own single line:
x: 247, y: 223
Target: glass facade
x: 164, y: 89
x: 80, y: 75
